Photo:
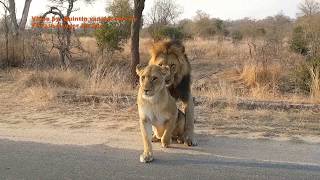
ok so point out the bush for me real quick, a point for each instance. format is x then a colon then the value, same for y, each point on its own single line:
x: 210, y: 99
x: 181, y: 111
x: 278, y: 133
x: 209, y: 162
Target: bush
x: 111, y: 37
x: 303, y: 74
x: 114, y: 34
x: 158, y: 33
x: 236, y: 36
x: 299, y: 43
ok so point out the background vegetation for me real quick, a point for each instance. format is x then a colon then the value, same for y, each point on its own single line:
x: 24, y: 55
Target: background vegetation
x: 276, y: 57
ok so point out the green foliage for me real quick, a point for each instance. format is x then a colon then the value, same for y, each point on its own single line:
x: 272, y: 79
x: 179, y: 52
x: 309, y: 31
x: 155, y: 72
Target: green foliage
x: 299, y: 43
x: 236, y: 36
x: 114, y: 34
x: 219, y: 26
x: 303, y: 75
x: 111, y: 37
x: 120, y: 8
x: 163, y: 32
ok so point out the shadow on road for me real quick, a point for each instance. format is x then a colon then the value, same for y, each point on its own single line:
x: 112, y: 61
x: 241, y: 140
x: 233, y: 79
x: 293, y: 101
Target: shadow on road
x: 46, y: 161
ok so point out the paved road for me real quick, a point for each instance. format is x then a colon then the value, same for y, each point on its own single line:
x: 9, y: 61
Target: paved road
x: 222, y: 158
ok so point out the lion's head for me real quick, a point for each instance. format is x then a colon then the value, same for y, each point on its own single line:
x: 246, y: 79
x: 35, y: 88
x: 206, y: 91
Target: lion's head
x: 171, y: 53
x: 153, y: 79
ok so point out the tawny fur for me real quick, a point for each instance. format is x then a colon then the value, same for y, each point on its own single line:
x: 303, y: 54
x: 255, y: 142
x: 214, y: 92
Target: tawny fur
x: 172, y: 53
x: 157, y: 109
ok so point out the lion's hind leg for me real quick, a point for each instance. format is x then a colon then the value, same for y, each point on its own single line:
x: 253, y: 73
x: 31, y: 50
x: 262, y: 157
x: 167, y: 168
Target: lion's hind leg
x: 179, y: 130
x: 189, y: 123
x: 157, y: 134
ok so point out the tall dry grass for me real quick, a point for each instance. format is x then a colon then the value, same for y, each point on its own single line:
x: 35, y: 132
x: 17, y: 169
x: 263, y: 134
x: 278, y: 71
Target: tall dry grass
x: 262, y: 80
x: 108, y: 77
x: 206, y: 49
x: 260, y: 68
x: 315, y: 84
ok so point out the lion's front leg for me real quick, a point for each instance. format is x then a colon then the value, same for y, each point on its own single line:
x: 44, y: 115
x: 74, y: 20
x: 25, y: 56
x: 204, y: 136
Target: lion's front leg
x: 189, y: 126
x: 146, y: 132
x: 167, y: 135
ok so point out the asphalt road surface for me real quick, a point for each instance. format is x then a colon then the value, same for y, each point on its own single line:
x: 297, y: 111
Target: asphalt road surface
x: 223, y: 158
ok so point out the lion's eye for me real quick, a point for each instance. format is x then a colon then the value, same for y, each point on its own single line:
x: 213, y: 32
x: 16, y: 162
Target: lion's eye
x: 160, y: 64
x: 154, y: 78
x: 142, y: 77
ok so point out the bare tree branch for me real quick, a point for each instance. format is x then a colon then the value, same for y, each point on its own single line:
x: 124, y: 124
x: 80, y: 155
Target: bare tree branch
x: 164, y: 12
x: 309, y: 7
x: 13, y: 17
x: 5, y: 5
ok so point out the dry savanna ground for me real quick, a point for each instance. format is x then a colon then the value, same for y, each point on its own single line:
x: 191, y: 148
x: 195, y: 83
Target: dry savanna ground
x: 38, y: 98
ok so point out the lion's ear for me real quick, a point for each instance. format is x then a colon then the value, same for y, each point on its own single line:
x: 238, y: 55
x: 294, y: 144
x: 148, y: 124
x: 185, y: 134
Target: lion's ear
x: 165, y: 70
x: 139, y: 69
x: 173, y: 68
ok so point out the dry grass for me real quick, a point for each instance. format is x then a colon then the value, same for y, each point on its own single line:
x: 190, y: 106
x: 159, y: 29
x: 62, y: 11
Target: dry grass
x: 222, y: 89
x: 247, y: 70
x: 43, y: 86
x: 105, y: 77
x: 261, y: 79
x: 55, y: 78
x: 108, y: 77
x: 259, y: 70
x: 315, y: 85
x: 202, y: 48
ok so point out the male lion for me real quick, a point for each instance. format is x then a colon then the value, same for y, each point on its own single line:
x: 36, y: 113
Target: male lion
x: 172, y: 53
x: 157, y: 109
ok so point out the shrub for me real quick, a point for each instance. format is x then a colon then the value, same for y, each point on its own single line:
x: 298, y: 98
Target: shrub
x: 111, y: 36
x: 299, y: 43
x: 236, y: 36
x: 163, y: 32
x: 304, y: 74
x: 114, y: 34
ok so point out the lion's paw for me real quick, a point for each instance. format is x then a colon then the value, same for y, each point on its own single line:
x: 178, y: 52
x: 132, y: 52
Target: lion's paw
x: 146, y: 157
x: 180, y: 140
x: 165, y: 145
x: 190, y: 142
x: 165, y: 142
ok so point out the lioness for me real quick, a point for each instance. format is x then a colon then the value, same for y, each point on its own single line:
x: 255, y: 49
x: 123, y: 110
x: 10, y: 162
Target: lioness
x: 172, y: 53
x: 157, y: 109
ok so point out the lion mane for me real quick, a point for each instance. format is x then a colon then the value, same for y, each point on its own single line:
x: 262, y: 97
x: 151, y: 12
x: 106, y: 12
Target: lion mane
x: 174, y: 54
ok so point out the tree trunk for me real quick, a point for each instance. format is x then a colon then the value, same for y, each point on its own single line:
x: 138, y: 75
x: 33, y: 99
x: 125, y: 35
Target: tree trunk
x: 135, y: 31
x: 13, y: 16
x: 24, y: 16
x: 7, y: 37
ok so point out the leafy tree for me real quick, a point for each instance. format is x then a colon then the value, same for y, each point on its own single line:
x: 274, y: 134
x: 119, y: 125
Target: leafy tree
x: 114, y: 34
x: 110, y: 37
